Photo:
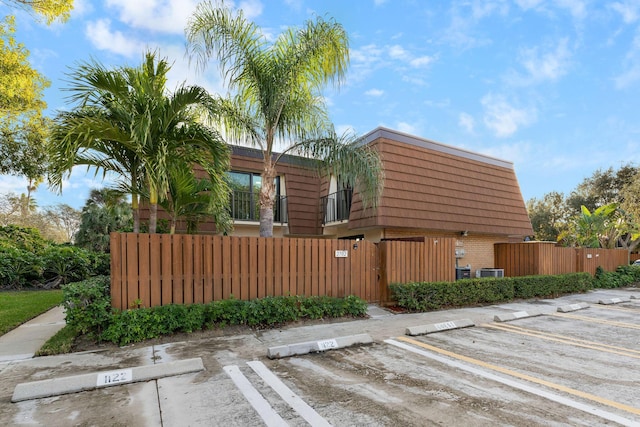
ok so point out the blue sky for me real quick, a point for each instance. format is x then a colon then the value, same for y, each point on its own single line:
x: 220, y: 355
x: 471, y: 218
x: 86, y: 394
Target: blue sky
x: 553, y: 86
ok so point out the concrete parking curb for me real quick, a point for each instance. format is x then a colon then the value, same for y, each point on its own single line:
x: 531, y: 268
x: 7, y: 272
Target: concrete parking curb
x: 297, y: 349
x: 515, y: 315
x: 438, y: 327
x: 573, y: 307
x: 77, y: 383
x: 613, y: 301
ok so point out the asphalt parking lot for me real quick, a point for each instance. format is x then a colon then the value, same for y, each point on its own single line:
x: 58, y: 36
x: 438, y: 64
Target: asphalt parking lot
x: 578, y: 368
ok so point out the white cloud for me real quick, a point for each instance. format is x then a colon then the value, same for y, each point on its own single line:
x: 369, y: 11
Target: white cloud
x: 167, y: 16
x: 631, y: 65
x: 547, y: 65
x: 628, y: 10
x: 577, y: 8
x: 251, y: 8
x: 398, y: 52
x: 516, y: 153
x: 374, y: 92
x: 503, y: 118
x: 12, y: 184
x: 406, y: 128
x: 421, y: 61
x: 467, y: 122
x: 528, y: 4
x: 100, y: 34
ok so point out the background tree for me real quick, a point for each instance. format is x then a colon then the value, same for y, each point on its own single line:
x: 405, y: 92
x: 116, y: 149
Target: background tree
x: 126, y: 122
x: 602, y: 228
x: 65, y: 218
x: 600, y: 189
x: 548, y: 216
x: 105, y: 211
x: 22, y: 126
x: 276, y: 95
x: 49, y: 10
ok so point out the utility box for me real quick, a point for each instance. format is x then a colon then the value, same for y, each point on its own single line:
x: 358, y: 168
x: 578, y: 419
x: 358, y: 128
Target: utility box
x: 463, y: 273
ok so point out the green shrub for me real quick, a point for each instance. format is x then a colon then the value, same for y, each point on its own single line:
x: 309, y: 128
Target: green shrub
x: 425, y: 296
x: 624, y: 275
x: 87, y: 305
x: 135, y: 325
x: 26, y: 259
x: 19, y: 268
x: 68, y: 263
x: 24, y: 238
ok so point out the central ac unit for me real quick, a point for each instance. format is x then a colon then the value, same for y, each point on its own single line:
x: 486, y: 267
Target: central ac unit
x: 490, y: 272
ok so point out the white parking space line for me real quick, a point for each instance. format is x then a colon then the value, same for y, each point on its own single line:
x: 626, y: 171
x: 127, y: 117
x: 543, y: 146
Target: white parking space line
x: 458, y: 364
x: 298, y: 405
x: 270, y: 417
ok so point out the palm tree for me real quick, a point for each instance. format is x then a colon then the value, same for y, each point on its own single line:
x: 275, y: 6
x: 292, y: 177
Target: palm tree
x: 126, y: 122
x: 277, y: 95
x: 189, y: 199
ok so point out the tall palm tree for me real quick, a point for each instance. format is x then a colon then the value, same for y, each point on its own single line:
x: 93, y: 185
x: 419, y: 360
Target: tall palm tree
x: 126, y: 122
x: 277, y: 98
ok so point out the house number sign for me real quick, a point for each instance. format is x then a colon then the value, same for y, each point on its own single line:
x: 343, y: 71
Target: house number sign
x: 342, y: 254
x: 327, y: 344
x: 114, y: 377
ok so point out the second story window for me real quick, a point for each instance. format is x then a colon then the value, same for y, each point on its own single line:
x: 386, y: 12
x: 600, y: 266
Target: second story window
x: 245, y: 197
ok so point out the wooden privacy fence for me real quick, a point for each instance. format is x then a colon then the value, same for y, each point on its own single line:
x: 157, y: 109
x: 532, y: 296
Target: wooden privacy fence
x: 161, y: 269
x: 432, y: 260
x: 533, y: 258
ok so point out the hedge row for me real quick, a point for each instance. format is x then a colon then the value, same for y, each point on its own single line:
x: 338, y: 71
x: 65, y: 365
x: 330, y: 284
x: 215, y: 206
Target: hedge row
x: 88, y: 309
x: 425, y: 296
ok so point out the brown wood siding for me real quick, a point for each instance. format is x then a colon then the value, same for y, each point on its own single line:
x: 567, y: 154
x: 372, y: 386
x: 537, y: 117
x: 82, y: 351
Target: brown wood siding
x: 434, y: 190
x: 189, y: 269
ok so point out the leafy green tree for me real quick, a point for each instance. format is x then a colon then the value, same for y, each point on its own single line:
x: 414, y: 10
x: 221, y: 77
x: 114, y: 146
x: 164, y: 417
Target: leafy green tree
x: 549, y: 216
x: 602, y: 188
x: 190, y: 200
x: 49, y: 10
x: 277, y: 95
x: 105, y: 211
x: 22, y: 126
x: 602, y: 228
x: 125, y: 122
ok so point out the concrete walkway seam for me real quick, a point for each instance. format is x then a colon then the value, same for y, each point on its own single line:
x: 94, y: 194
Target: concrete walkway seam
x: 298, y: 349
x: 84, y: 382
x: 515, y: 315
x: 573, y: 307
x: 613, y: 301
x: 438, y: 327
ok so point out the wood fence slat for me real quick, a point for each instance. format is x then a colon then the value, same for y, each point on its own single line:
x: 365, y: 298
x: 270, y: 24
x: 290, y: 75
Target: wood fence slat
x: 226, y: 263
x: 198, y: 270
x: 177, y: 270
x: 212, y: 291
x: 155, y: 271
x: 116, y: 270
x: 133, y: 289
x: 261, y: 270
x: 278, y: 288
x: 144, y: 283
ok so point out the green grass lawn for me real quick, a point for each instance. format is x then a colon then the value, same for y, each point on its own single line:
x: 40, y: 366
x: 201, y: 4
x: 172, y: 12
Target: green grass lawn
x: 20, y: 306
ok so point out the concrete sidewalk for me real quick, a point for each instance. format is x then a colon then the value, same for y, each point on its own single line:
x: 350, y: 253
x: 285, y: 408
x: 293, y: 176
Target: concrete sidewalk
x: 23, y: 341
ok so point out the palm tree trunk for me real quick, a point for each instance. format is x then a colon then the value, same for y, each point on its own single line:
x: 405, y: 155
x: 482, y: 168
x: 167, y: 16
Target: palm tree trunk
x: 153, y: 211
x: 135, y: 206
x: 267, y: 198
x: 136, y: 213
